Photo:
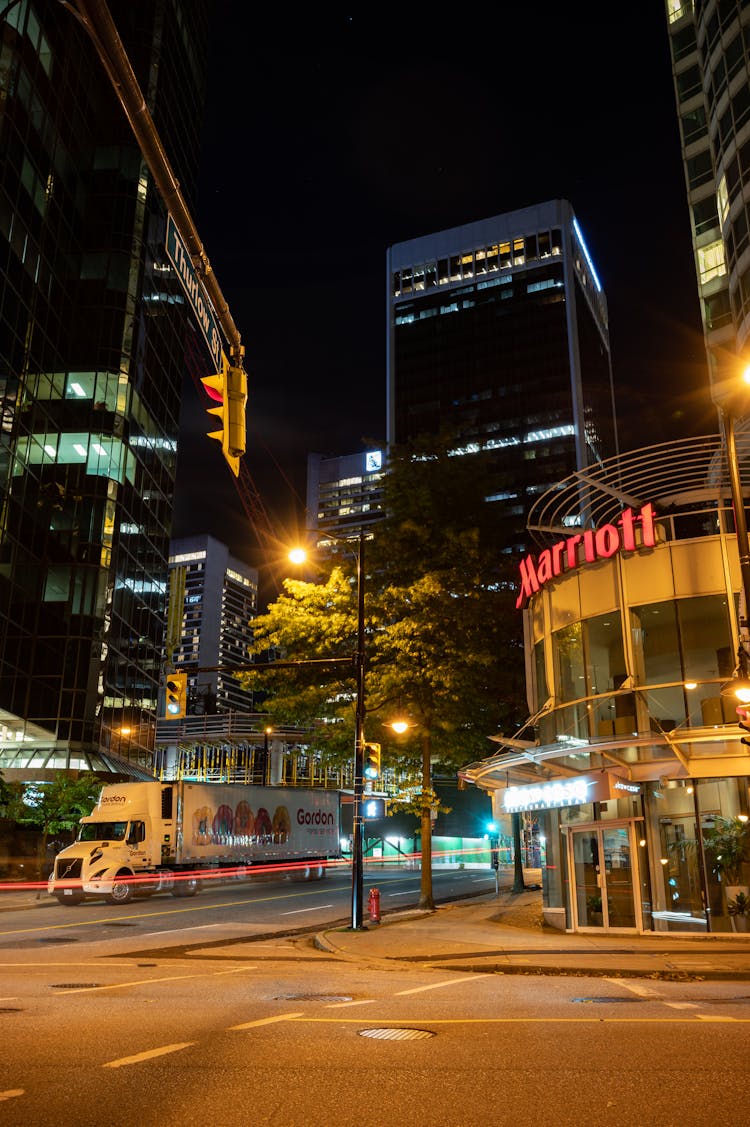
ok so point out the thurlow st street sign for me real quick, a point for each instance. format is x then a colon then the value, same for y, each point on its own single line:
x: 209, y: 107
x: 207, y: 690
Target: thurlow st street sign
x: 180, y: 258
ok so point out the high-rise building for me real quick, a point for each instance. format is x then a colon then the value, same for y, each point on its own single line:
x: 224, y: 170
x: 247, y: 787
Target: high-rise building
x: 498, y: 333
x: 710, y: 49
x: 344, y: 494
x: 216, y: 600
x: 93, y: 330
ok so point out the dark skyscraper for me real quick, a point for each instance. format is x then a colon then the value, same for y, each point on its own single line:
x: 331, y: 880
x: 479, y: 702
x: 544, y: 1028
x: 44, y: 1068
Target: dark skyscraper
x: 93, y: 332
x: 498, y: 332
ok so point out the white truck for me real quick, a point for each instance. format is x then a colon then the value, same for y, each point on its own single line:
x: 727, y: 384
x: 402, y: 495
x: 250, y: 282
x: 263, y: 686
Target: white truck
x: 170, y: 837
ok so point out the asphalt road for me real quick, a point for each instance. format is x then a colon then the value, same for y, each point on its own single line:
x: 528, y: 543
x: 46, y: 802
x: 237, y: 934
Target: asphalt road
x: 257, y: 906
x: 278, y: 1033
x: 159, y: 1014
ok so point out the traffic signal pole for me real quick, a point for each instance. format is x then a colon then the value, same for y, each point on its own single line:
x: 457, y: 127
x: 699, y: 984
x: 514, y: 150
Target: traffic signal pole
x: 95, y: 17
x: 358, y: 823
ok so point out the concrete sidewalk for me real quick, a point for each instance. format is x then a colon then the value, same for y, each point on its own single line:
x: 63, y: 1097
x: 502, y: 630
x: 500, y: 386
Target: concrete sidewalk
x: 505, y: 933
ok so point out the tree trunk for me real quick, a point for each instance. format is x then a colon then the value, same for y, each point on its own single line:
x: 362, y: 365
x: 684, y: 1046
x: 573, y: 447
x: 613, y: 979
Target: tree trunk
x: 41, y: 857
x: 518, y: 884
x: 425, y: 892
x: 41, y: 853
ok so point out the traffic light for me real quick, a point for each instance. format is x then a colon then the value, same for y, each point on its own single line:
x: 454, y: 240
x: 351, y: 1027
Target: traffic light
x: 175, y: 697
x: 372, y: 761
x: 228, y: 389
x: 743, y: 719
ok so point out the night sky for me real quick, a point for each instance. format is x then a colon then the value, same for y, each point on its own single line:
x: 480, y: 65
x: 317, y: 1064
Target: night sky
x: 328, y: 138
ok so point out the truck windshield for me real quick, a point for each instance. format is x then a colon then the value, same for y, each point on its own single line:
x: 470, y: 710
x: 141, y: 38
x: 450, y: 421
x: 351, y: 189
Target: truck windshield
x: 102, y: 831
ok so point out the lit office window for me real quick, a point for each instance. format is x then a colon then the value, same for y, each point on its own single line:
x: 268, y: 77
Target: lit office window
x: 711, y: 262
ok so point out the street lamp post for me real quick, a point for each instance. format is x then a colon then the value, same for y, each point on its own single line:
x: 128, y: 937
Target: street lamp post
x: 359, y: 746
x: 358, y: 834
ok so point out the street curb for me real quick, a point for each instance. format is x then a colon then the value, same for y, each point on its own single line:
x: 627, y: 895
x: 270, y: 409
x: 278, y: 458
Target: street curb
x: 591, y: 972
x: 45, y: 902
x: 322, y: 942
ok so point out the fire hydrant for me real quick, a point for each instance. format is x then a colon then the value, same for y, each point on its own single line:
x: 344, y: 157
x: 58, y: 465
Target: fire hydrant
x: 373, y: 905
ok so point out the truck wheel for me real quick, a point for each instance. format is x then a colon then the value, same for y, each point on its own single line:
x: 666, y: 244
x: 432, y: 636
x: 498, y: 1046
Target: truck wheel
x: 317, y: 872
x: 185, y: 887
x: 122, y: 893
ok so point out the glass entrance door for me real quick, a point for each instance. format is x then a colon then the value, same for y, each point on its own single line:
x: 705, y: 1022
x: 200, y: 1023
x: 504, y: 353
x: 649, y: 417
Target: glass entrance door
x: 603, y: 877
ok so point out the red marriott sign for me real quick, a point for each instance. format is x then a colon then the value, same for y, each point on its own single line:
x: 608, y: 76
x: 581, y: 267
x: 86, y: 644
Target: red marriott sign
x: 599, y: 544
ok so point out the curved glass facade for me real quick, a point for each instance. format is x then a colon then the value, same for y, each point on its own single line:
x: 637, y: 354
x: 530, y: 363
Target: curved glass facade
x: 632, y: 759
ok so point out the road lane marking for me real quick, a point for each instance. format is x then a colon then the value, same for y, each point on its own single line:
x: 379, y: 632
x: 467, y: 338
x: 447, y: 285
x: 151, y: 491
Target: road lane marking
x: 153, y: 981
x: 691, y: 964
x: 85, y: 922
x: 265, y: 1021
x: 682, y: 1005
x: 297, y: 911
x: 714, y: 1017
x: 148, y: 1055
x: 438, y: 985
x: 634, y: 987
x: 344, y: 1005
x: 504, y: 1020
x: 69, y: 963
x: 180, y: 930
x: 11, y: 1093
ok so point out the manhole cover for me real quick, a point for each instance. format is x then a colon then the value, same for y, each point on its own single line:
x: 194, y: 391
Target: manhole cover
x: 9, y: 1010
x: 604, y: 1000
x: 56, y: 939
x: 74, y: 985
x: 147, y: 964
x: 119, y: 923
x: 313, y: 998
x: 397, y: 1034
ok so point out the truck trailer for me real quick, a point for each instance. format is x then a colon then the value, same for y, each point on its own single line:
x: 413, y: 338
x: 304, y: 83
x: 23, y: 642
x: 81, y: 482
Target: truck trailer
x: 167, y: 837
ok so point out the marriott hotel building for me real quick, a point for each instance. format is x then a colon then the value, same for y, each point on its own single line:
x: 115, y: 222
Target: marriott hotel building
x: 630, y: 754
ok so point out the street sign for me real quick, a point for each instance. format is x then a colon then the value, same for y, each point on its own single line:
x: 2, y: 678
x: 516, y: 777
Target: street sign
x: 180, y: 258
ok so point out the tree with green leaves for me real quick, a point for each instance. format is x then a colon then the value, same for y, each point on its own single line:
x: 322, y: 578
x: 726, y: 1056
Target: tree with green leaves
x: 6, y: 796
x: 308, y: 622
x: 450, y: 651
x: 54, y: 807
x: 444, y: 646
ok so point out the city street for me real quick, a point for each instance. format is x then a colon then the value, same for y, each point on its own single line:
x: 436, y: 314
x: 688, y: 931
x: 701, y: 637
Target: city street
x: 239, y: 907
x: 158, y: 1014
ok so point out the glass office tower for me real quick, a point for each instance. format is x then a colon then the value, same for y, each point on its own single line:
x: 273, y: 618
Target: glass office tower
x: 92, y: 338
x: 710, y: 50
x: 217, y: 600
x: 498, y: 332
